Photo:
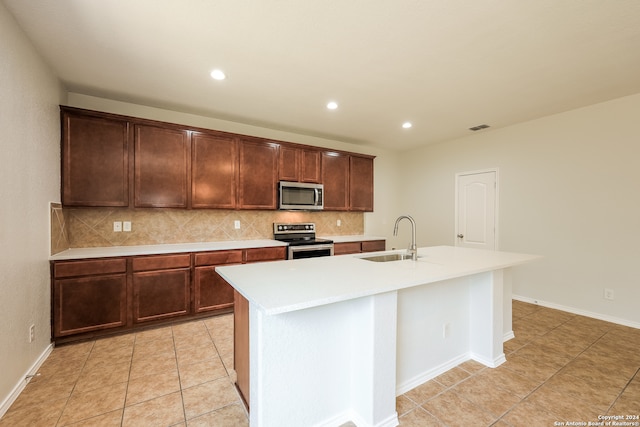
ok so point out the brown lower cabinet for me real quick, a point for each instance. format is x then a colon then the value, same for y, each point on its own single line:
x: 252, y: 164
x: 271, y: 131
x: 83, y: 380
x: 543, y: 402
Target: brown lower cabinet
x: 344, y: 248
x: 98, y: 297
x: 241, y: 345
x: 161, y: 287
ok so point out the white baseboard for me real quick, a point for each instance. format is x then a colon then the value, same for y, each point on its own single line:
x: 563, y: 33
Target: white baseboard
x: 490, y: 363
x: 508, y: 336
x: 345, y: 417
x: 577, y: 311
x: 430, y: 374
x: 8, y: 401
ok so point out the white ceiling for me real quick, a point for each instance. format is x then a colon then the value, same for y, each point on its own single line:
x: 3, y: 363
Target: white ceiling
x: 445, y: 65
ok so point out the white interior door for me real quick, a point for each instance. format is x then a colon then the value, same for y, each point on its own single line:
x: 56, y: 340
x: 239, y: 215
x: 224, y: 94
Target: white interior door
x: 476, y: 209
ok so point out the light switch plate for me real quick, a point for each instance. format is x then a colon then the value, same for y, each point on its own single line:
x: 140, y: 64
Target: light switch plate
x: 117, y: 226
x: 126, y: 226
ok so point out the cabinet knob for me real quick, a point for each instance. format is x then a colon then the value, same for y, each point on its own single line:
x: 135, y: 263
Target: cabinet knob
x: 460, y: 236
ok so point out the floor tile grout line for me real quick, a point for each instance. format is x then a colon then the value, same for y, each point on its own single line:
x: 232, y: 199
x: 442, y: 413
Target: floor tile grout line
x: 623, y: 390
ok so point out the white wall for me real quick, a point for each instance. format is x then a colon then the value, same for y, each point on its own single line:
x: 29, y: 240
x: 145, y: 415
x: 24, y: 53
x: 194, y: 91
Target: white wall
x: 568, y: 191
x: 385, y: 164
x: 29, y: 180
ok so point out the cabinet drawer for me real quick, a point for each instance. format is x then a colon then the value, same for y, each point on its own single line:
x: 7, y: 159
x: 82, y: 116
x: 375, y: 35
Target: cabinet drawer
x: 89, y: 267
x: 218, y: 257
x: 373, y: 245
x: 346, y: 248
x: 266, y: 254
x: 161, y: 262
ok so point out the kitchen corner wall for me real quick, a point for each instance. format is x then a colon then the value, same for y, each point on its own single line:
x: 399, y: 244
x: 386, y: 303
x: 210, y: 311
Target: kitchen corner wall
x: 94, y: 227
x: 30, y: 177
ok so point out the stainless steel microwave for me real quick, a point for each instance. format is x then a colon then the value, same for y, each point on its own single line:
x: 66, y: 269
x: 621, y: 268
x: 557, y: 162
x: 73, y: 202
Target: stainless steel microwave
x: 301, y: 196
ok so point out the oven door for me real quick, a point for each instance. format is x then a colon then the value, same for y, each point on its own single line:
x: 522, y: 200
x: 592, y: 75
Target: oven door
x: 310, y: 251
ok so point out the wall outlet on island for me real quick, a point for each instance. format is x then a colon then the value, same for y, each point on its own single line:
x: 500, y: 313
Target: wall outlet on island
x: 608, y: 294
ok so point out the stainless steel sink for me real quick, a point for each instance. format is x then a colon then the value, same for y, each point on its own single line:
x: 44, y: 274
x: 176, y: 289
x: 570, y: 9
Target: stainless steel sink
x: 388, y: 257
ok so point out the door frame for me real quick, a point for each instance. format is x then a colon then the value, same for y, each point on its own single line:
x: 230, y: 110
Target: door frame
x: 496, y: 221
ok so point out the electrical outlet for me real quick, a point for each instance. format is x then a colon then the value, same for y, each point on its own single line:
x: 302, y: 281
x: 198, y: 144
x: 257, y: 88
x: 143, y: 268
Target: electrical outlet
x: 608, y: 294
x: 126, y: 226
x: 117, y: 226
x: 32, y: 333
x: 236, y: 224
x: 338, y: 223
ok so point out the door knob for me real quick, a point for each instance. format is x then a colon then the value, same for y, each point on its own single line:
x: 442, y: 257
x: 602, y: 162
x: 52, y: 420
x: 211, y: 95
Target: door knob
x: 460, y: 236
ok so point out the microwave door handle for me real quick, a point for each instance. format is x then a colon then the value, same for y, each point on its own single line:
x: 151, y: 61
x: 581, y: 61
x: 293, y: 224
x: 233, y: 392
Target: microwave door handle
x: 315, y: 196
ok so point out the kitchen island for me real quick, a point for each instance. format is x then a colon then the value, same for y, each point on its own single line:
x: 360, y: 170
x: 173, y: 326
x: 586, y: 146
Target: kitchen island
x: 335, y: 339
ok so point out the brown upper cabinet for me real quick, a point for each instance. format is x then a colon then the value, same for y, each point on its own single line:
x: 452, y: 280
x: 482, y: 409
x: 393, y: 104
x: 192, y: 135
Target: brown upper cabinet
x: 95, y: 160
x: 118, y: 161
x: 258, y: 170
x: 360, y: 183
x: 348, y: 182
x: 162, y: 163
x: 335, y: 177
x: 214, y: 171
x: 300, y: 164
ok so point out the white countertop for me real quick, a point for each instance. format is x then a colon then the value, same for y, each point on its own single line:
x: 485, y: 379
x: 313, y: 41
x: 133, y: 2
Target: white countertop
x: 285, y: 286
x: 117, y: 251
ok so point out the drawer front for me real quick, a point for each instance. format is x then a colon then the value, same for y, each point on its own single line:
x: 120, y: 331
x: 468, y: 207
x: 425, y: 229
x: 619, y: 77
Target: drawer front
x: 266, y: 254
x: 373, y: 245
x: 218, y: 257
x: 346, y: 248
x: 89, y: 267
x: 161, y: 262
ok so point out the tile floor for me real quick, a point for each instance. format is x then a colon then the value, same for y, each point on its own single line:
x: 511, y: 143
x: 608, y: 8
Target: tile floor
x: 560, y: 368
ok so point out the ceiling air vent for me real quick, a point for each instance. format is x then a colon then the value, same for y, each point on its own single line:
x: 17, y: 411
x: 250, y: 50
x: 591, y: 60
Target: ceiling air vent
x: 479, y: 127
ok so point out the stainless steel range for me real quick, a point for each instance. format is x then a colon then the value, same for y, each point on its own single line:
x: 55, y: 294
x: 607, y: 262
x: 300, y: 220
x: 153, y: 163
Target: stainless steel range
x: 302, y: 240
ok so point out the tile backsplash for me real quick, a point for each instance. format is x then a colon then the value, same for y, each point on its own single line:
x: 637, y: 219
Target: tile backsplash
x: 58, y: 228
x: 93, y: 227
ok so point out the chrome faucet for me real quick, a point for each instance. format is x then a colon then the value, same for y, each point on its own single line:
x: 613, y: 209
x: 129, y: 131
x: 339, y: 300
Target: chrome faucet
x: 413, y: 249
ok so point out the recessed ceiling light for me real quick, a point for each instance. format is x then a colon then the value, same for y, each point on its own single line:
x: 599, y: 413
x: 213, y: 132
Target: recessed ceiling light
x: 218, y: 75
x: 332, y: 105
x: 407, y: 125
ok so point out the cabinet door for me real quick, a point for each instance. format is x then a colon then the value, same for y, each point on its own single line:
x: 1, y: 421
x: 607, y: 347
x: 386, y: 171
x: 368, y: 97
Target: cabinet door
x: 311, y: 166
x: 160, y: 294
x: 213, y: 171
x: 289, y: 163
x: 258, y: 175
x: 361, y: 184
x: 161, y: 167
x: 335, y: 177
x: 95, y: 160
x: 212, y: 292
x: 241, y: 345
x: 86, y: 304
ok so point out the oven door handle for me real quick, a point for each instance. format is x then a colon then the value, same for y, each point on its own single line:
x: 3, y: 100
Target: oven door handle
x: 311, y: 247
